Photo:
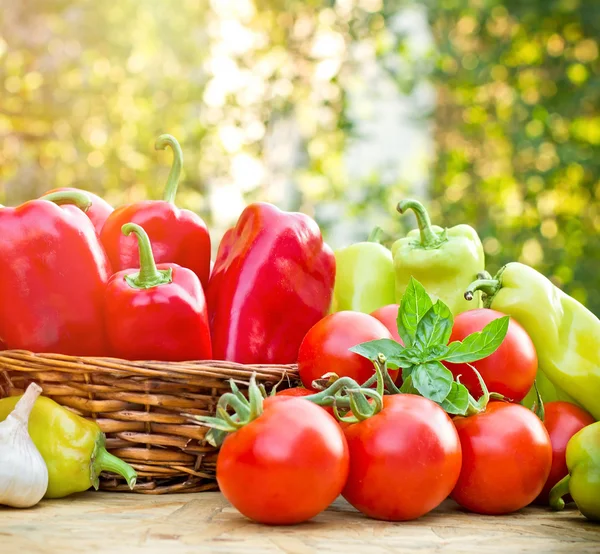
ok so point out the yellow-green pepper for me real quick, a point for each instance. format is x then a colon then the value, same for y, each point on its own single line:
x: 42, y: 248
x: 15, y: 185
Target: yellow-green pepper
x: 364, y: 276
x: 583, y: 481
x: 72, y: 447
x: 547, y: 390
x: 444, y: 261
x: 565, y: 333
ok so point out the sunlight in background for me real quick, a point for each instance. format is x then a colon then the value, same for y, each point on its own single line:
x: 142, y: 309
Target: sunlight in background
x: 337, y: 109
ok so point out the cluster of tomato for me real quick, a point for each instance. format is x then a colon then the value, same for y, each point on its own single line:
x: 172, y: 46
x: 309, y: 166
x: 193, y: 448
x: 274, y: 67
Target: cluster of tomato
x: 294, y: 460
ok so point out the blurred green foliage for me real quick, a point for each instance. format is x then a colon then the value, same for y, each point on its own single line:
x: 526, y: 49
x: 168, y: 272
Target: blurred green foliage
x: 257, y: 94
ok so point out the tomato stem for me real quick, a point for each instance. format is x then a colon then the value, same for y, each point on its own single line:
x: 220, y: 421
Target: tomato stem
x: 477, y: 406
x: 538, y: 405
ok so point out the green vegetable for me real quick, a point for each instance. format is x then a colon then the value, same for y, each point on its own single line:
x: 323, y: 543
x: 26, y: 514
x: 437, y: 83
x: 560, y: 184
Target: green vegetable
x: 425, y: 330
x: 565, y: 333
x: 583, y: 481
x: 445, y: 261
x: 72, y: 447
x: 364, y: 277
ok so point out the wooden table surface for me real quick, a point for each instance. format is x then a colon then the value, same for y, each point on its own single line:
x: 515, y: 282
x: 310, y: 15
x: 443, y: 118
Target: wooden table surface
x: 110, y: 522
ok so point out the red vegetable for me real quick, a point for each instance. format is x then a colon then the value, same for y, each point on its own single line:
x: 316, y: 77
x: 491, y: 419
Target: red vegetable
x: 326, y: 346
x: 271, y: 282
x: 177, y: 236
x: 158, y: 312
x: 506, y: 459
x: 388, y: 316
x: 404, y: 461
x: 510, y: 370
x: 53, y: 278
x: 99, y: 210
x: 287, y: 465
x: 562, y: 421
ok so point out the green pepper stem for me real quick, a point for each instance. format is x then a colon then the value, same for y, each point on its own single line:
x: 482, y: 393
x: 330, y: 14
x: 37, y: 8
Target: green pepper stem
x: 149, y: 275
x: 488, y: 286
x: 558, y: 491
x: 105, y: 461
x: 173, y: 180
x: 76, y: 197
x: 429, y: 238
x: 375, y: 235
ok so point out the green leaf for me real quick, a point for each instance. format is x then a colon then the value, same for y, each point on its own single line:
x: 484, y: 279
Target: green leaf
x: 406, y: 373
x: 410, y: 356
x: 432, y: 380
x: 407, y: 386
x: 415, y: 303
x: 457, y: 400
x: 436, y: 352
x: 391, y: 349
x: 480, y: 344
x: 435, y: 327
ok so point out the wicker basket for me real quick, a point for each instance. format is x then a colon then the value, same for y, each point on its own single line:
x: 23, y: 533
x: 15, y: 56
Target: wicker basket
x: 139, y: 405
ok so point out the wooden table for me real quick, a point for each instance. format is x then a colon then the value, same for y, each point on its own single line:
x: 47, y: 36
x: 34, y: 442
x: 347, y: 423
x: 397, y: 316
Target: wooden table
x: 195, y: 523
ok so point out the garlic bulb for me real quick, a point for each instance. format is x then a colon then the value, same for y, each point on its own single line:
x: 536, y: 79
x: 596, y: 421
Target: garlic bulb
x: 23, y: 472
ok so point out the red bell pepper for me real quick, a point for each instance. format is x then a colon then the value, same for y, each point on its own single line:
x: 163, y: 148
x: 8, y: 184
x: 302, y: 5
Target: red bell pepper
x: 99, y: 210
x: 156, y: 312
x: 53, y: 277
x: 272, y: 281
x: 177, y: 236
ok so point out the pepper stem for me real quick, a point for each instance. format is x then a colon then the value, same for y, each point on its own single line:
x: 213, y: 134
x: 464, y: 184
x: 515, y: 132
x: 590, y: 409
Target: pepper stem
x: 173, y: 180
x: 375, y: 235
x: 558, y: 491
x: 105, y: 461
x: 76, y: 197
x: 429, y: 237
x: 22, y: 410
x: 489, y: 287
x: 149, y: 275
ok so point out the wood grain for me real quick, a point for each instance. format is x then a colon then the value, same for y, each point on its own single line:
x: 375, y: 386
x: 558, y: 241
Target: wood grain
x: 96, y: 522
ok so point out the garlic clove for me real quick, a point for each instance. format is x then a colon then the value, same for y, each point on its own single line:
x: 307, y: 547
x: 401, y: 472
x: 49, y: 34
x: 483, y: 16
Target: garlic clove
x: 23, y: 472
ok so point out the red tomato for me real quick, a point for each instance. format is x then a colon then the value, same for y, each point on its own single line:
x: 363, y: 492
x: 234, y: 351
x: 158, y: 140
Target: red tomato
x: 404, y: 461
x: 510, y: 370
x: 562, y: 421
x: 506, y: 459
x: 287, y: 465
x: 325, y: 347
x: 300, y: 392
x: 388, y: 316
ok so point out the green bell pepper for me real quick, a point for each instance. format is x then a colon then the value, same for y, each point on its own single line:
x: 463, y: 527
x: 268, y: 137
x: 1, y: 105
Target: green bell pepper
x: 444, y: 261
x: 565, y: 333
x: 72, y: 447
x: 583, y: 481
x: 364, y: 276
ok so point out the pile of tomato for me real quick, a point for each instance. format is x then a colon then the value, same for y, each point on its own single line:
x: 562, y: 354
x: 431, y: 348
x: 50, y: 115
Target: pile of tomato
x: 294, y: 459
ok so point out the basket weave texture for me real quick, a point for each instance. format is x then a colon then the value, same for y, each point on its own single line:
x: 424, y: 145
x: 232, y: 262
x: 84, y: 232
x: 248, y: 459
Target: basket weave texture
x: 141, y: 407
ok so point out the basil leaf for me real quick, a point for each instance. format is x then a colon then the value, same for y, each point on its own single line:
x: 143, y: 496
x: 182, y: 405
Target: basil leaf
x: 410, y: 356
x: 480, y: 344
x: 406, y: 373
x: 457, y: 400
x: 435, y: 327
x: 407, y: 386
x: 432, y: 380
x: 436, y: 352
x: 415, y: 302
x: 371, y: 349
